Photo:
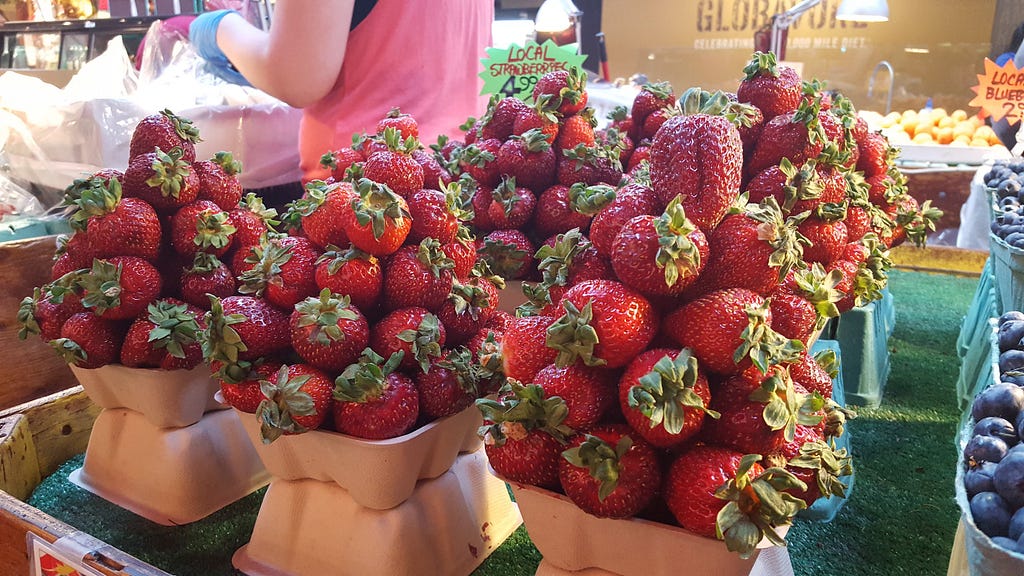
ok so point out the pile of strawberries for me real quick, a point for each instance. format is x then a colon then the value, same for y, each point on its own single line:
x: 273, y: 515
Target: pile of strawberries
x: 688, y: 255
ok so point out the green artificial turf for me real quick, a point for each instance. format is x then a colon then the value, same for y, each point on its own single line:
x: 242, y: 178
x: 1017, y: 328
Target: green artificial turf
x: 900, y: 518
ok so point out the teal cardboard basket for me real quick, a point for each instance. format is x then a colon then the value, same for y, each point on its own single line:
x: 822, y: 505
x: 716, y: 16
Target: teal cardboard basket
x: 1008, y: 271
x: 863, y: 335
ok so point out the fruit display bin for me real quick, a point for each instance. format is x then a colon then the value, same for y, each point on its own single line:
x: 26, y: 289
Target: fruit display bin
x: 1008, y: 270
x: 975, y: 341
x: 863, y: 335
x: 979, y: 364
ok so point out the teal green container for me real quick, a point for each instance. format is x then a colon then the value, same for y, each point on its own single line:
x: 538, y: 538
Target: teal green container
x: 1008, y: 270
x: 863, y: 335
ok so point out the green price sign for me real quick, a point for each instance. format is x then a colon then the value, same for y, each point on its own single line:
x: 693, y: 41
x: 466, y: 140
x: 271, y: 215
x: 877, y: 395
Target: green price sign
x: 514, y: 71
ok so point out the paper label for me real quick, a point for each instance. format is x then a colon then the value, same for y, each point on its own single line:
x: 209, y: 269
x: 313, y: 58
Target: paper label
x: 514, y: 71
x: 1000, y: 92
x: 46, y: 560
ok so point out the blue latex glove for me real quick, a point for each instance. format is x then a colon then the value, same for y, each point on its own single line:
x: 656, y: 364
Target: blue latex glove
x: 202, y: 33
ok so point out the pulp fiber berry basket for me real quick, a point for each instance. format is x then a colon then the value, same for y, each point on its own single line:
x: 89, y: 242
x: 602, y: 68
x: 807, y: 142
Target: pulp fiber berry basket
x: 1008, y: 270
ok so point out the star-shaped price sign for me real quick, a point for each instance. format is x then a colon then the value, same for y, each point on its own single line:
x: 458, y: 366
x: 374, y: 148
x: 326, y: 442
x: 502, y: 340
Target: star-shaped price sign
x: 1000, y: 92
x: 514, y: 71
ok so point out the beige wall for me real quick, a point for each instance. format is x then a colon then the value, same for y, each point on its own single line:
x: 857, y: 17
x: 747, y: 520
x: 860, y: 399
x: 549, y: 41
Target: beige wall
x: 707, y: 42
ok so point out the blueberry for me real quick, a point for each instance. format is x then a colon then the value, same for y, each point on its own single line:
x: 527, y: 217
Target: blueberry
x: 1011, y: 315
x: 991, y: 513
x: 1003, y: 400
x: 1010, y: 334
x: 985, y: 449
x: 1009, y: 479
x: 1012, y: 377
x: 1011, y: 360
x: 979, y: 479
x: 1006, y: 543
x: 1016, y: 529
x: 997, y: 428
x: 995, y: 227
x: 1009, y: 188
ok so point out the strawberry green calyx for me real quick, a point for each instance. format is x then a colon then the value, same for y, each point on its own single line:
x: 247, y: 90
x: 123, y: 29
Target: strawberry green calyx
x: 574, y: 337
x: 213, y: 230
x: 589, y: 200
x: 174, y: 327
x: 521, y: 409
x: 780, y: 233
x: 765, y: 347
x: 433, y: 258
x: 488, y: 116
x: 393, y: 140
x: 618, y: 114
x: 756, y: 506
x: 535, y: 140
x: 27, y: 314
x: 469, y: 123
x: 807, y: 114
x: 602, y: 460
x: 476, y: 156
x: 222, y: 344
x: 338, y: 257
x: 395, y: 112
x: 784, y: 406
x: 575, y: 86
x: 919, y: 223
x: 836, y: 417
x: 665, y: 391
x: 857, y: 189
x: 641, y: 173
x: 354, y: 173
x: 504, y: 258
x: 459, y: 203
x: 377, y: 204
x: 366, y: 379
x: 696, y: 100
x: 468, y: 374
x: 481, y: 269
x: 93, y: 197
x: 661, y: 90
x: 315, y: 195
x: 283, y: 400
x: 832, y: 155
x: 802, y: 184
x: 675, y: 248
x: 819, y: 288
x: 555, y: 261
x: 101, y: 286
x: 829, y: 362
x: 267, y: 260
x: 829, y: 464
x: 506, y: 194
x: 183, y: 126
x: 538, y: 296
x: 253, y: 203
x: 204, y: 262
x: 327, y: 161
x: 323, y: 313
x: 488, y: 360
x: 469, y: 299
x: 832, y: 211
x: 227, y: 163
x: 424, y: 341
x: 69, y: 350
x: 169, y: 172
x: 762, y: 63
x: 547, y: 107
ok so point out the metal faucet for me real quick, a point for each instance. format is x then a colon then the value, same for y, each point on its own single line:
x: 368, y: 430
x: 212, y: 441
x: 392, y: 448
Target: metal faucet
x: 892, y: 80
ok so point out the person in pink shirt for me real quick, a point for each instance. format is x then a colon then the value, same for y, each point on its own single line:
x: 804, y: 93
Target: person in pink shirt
x: 346, y: 63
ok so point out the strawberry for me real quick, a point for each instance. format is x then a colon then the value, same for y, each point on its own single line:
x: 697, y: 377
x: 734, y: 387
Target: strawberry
x: 246, y: 394
x: 542, y: 116
x: 775, y: 89
x: 727, y: 330
x: 613, y: 139
x: 566, y: 260
x: 462, y: 252
x: 566, y: 88
x: 240, y: 330
x: 500, y: 117
x: 660, y: 256
x: 44, y: 313
x: 116, y: 226
x: 165, y: 336
x: 165, y: 131
x: 512, y: 206
x: 913, y: 221
x: 620, y: 119
x: 827, y: 240
x: 299, y: 398
x: 523, y: 433
x: 120, y: 288
x: 561, y: 208
x: 379, y: 221
x: 450, y: 386
x: 814, y: 373
x: 328, y: 332
x: 480, y: 203
x: 321, y: 209
x: 251, y: 220
x: 163, y: 179
x: 373, y: 400
x: 610, y: 472
x: 529, y: 159
x: 650, y: 98
x: 577, y: 129
x: 589, y: 165
x: 700, y: 156
x: 218, y: 180
x: 589, y: 393
x: 395, y: 167
x: 715, y: 491
x: 206, y: 275
x: 88, y: 341
x: 815, y: 463
x: 413, y: 331
x: 798, y: 135
x: 435, y: 175
x: 283, y: 271
x: 351, y: 272
x: 469, y: 305
x: 605, y: 324
x: 479, y: 160
x: 523, y: 348
x: 201, y: 226
x: 507, y: 252
x: 641, y: 155
x: 876, y: 154
x: 418, y: 275
x: 664, y: 396
x: 631, y: 200
x: 404, y: 123
x: 73, y: 253
x: 655, y: 120
x: 485, y: 347
x: 339, y: 161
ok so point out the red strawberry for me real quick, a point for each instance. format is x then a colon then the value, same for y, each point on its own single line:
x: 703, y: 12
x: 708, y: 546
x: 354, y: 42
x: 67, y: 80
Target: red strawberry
x: 529, y: 159
x: 413, y: 331
x: 577, y: 129
x: 394, y: 167
x: 798, y: 135
x: 664, y: 396
x: 610, y: 472
x: 201, y: 226
x: 813, y: 372
x: 462, y: 252
x: 641, y: 155
x: 775, y: 89
x: 451, y: 384
x: 480, y: 202
x: 876, y: 155
x: 588, y: 392
x: 620, y: 119
x: 299, y: 398
x: 507, y: 252
x: 351, y: 272
x: 321, y: 210
x: 858, y: 223
x: 435, y: 176
x: 246, y: 394
x: 165, y: 131
x: 328, y: 332
x: 631, y: 200
x: 501, y: 116
x: 793, y: 316
x: 73, y: 253
x: 561, y: 208
x: 589, y: 165
x: 418, y: 275
x: 523, y: 433
x: 815, y: 463
x: 116, y: 226
x: 206, y: 275
x: 479, y: 160
x: 566, y: 88
x: 374, y: 401
x: 243, y: 329
x: 523, y: 348
x: 700, y: 156
x: 340, y: 160
x: 650, y: 98
x: 660, y: 256
x: 284, y: 271
x: 163, y: 179
x: 120, y: 288
x: 469, y: 305
x: 251, y: 220
x: 605, y: 324
x: 655, y: 120
x: 512, y: 206
x: 88, y: 341
x: 542, y: 116
x: 44, y: 313
x: 405, y: 124
x: 165, y: 336
x: 378, y: 222
x: 218, y: 180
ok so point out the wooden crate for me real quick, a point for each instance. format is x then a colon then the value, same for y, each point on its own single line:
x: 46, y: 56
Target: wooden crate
x: 35, y: 439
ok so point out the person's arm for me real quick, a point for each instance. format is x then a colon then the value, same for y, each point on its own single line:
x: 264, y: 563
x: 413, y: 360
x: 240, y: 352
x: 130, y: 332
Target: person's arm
x: 299, y: 60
